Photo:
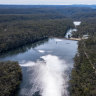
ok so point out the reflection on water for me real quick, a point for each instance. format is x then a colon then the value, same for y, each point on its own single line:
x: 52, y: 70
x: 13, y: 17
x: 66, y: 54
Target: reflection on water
x: 46, y: 67
x: 22, y: 49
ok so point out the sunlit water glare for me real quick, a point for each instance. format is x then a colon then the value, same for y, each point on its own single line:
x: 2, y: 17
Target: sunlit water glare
x: 50, y: 76
x: 46, y: 67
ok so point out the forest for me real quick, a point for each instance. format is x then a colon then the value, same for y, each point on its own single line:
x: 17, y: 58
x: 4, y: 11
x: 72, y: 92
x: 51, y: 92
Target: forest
x: 29, y: 24
x: 10, y: 78
x: 21, y: 25
x: 83, y: 79
x: 19, y: 33
x: 87, y: 27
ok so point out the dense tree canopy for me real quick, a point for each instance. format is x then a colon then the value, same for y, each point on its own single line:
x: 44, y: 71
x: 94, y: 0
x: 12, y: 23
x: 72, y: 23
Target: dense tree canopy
x: 83, y: 80
x: 18, y: 33
x: 28, y: 24
x: 10, y: 78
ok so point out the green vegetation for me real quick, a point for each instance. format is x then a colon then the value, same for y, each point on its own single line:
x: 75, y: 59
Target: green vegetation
x: 18, y: 33
x: 20, y: 25
x: 83, y: 80
x: 87, y: 27
x: 10, y: 78
x: 50, y: 11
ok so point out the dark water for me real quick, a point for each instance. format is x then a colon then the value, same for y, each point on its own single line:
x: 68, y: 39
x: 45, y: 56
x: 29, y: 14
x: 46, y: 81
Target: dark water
x: 46, y: 66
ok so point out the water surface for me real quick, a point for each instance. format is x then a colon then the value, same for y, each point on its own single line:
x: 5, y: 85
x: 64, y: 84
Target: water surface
x: 46, y: 66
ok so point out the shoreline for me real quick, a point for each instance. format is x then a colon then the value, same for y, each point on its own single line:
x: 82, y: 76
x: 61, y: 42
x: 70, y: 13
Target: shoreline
x: 76, y: 39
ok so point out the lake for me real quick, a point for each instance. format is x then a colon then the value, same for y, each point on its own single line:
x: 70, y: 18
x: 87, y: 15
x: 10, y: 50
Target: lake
x: 46, y: 66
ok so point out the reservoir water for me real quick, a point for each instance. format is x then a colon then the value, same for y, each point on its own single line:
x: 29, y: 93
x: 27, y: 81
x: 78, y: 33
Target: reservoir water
x: 46, y: 66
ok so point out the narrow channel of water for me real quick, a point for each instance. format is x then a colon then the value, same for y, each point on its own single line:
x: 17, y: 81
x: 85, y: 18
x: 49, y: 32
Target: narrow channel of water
x: 69, y: 32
